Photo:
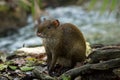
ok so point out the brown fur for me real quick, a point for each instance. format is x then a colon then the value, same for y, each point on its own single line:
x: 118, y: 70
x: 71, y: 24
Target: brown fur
x: 64, y: 44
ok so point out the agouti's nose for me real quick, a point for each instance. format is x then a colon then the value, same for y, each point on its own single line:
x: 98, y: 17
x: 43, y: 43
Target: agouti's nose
x: 39, y: 34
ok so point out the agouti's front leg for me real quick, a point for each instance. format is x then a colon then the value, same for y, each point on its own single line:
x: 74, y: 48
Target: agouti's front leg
x: 49, y: 58
x: 53, y: 62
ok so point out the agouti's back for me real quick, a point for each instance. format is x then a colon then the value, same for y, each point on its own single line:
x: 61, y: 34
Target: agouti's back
x: 73, y: 43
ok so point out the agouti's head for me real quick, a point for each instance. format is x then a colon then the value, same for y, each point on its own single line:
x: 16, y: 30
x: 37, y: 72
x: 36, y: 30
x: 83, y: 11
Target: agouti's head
x: 47, y: 28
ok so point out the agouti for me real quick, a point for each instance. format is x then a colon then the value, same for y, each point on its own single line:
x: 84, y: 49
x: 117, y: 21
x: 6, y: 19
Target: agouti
x: 64, y: 43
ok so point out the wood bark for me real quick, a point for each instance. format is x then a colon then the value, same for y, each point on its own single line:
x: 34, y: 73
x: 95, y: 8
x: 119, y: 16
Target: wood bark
x: 105, y: 67
x: 104, y: 53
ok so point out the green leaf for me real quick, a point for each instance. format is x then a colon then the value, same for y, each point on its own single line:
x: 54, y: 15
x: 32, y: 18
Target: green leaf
x: 9, y: 62
x: 32, y: 7
x: 113, y: 4
x: 26, y: 68
x: 13, y: 67
x: 92, y: 4
x: 40, y: 3
x: 3, y: 66
x: 104, y: 6
x: 24, y: 6
x: 3, y: 57
x: 4, y: 8
x: 64, y: 77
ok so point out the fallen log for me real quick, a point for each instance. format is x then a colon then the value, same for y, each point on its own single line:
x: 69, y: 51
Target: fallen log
x: 104, y: 53
x: 103, y: 67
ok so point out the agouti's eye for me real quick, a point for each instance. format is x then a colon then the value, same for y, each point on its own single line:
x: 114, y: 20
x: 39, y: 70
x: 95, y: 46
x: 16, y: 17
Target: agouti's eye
x: 49, y: 27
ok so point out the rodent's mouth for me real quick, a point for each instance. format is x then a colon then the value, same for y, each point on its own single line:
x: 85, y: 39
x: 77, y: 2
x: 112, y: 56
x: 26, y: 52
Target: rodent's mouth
x: 40, y: 35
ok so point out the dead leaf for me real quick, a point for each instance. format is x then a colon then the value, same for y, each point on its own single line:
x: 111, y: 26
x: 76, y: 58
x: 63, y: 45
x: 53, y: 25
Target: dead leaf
x: 19, y: 61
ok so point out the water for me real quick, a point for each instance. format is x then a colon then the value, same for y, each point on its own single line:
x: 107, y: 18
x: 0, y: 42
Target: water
x: 96, y: 28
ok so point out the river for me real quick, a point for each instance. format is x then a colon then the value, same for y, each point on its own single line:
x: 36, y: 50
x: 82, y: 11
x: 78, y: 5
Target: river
x: 97, y: 28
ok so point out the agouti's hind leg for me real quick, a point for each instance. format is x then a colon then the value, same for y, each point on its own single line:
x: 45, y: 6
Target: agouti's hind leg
x: 60, y: 69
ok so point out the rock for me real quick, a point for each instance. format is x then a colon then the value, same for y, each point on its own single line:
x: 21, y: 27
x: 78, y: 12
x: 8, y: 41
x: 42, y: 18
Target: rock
x: 10, y: 23
x: 33, y: 51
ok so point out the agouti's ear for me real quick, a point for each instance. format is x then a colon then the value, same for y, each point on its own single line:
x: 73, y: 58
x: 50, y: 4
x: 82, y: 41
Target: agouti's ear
x: 44, y: 19
x: 36, y: 23
x: 56, y: 23
x: 39, y: 21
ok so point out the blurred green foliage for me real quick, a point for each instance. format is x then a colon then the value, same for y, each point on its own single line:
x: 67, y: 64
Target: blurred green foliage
x: 24, y: 6
x: 31, y: 6
x: 3, y: 8
x: 106, y: 4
